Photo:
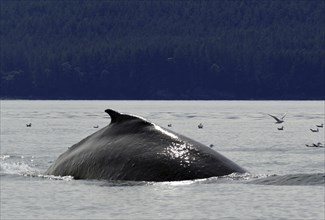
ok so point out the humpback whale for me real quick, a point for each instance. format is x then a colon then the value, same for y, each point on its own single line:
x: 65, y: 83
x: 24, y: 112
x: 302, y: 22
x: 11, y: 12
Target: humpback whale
x: 134, y: 149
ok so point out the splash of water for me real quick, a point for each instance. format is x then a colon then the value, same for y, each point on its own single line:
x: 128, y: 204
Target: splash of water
x: 17, y: 168
x: 21, y: 168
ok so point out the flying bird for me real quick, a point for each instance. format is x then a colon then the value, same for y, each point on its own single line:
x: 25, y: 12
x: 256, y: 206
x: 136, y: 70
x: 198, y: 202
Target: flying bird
x: 278, y: 120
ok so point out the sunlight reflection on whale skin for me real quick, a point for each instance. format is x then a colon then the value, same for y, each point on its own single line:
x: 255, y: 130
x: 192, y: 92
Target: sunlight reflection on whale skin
x: 165, y: 131
x: 180, y: 151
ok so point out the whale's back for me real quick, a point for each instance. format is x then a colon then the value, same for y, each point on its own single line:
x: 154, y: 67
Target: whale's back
x: 131, y: 148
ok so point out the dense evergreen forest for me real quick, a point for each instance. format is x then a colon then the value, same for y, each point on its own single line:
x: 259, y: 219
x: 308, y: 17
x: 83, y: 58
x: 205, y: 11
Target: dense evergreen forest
x: 223, y: 49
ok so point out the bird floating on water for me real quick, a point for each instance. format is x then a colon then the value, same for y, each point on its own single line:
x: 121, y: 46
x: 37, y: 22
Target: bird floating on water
x: 320, y: 126
x: 278, y: 120
x: 281, y: 128
x: 29, y: 125
x: 96, y: 126
x: 314, y: 130
x: 318, y: 145
x: 200, y: 125
x: 169, y: 125
x: 315, y: 145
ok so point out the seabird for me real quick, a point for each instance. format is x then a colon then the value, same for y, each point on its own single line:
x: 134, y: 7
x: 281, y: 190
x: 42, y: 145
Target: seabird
x: 318, y: 145
x: 200, y: 125
x: 278, y: 120
x: 29, y: 125
x: 315, y: 145
x: 320, y: 126
x: 280, y: 129
x: 314, y: 130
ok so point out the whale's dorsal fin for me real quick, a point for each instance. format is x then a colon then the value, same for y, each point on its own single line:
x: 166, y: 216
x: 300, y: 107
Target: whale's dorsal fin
x: 113, y: 114
x: 118, y: 117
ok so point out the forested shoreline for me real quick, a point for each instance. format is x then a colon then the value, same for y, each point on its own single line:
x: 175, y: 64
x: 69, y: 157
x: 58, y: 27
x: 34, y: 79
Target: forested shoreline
x: 163, y: 49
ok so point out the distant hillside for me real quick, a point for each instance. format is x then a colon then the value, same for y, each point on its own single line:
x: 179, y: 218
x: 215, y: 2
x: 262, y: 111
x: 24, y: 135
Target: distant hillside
x: 163, y: 49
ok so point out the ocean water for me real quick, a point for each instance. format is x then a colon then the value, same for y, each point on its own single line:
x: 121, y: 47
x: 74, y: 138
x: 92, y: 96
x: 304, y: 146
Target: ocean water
x: 285, y: 179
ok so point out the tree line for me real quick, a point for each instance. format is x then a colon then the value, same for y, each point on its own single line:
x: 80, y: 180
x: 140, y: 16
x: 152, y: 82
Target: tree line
x: 162, y: 49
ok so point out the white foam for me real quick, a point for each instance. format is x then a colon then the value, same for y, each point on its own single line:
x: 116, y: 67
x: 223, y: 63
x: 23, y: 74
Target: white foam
x: 23, y: 169
x: 245, y: 176
x: 18, y: 168
x: 52, y: 177
x: 3, y: 157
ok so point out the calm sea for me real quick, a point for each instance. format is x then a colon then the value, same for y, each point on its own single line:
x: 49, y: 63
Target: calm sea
x: 286, y: 179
